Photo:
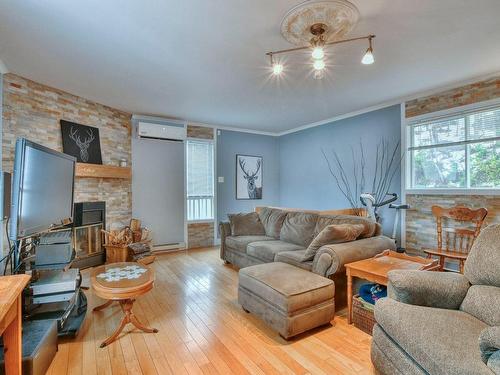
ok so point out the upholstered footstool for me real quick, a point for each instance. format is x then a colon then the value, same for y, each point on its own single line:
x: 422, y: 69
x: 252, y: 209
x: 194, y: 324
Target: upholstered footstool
x: 290, y: 299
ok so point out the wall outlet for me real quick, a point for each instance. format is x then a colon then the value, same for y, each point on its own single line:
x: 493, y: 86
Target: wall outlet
x: 220, y: 180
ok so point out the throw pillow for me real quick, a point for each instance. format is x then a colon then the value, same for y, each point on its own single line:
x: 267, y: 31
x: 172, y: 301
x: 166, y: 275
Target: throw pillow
x: 272, y: 219
x: 333, y: 234
x: 298, y: 228
x: 246, y: 224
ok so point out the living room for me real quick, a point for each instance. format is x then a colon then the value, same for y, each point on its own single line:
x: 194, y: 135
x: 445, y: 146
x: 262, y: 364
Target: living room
x: 250, y: 187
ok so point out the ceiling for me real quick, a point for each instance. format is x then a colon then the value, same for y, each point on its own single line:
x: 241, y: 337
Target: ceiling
x: 204, y: 61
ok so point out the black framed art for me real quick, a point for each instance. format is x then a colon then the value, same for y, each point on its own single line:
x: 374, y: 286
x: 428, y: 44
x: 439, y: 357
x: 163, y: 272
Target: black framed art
x: 248, y: 177
x: 82, y: 142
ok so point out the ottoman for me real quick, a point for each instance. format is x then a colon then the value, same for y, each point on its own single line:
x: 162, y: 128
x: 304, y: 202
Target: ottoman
x: 290, y: 299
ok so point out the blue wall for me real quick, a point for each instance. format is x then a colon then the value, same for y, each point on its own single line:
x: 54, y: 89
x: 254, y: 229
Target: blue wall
x: 295, y: 171
x: 230, y: 143
x: 305, y: 181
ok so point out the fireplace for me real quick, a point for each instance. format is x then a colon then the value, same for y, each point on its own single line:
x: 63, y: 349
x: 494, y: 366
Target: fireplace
x: 89, y: 218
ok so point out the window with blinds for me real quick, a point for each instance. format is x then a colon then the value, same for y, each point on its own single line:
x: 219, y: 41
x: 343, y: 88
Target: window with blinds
x: 459, y: 152
x: 200, y: 180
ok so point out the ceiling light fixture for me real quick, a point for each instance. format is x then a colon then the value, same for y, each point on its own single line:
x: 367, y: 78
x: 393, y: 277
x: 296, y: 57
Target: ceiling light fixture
x: 368, y: 56
x: 316, y: 25
x: 276, y: 66
x: 318, y: 53
x: 319, y: 64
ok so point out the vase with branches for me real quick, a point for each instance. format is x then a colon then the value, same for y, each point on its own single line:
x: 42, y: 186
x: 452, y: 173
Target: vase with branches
x: 352, y: 183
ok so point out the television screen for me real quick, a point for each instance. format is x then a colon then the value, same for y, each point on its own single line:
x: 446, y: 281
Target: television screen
x: 42, y: 189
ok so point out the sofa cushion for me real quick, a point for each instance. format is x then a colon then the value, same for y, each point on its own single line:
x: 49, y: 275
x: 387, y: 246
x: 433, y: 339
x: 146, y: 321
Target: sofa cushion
x: 246, y: 224
x: 483, y: 262
x: 298, y: 228
x: 371, y: 228
x: 272, y: 219
x: 299, y: 289
x: 239, y: 243
x: 294, y: 258
x: 441, y: 341
x: 266, y: 250
x: 483, y: 302
x: 333, y: 234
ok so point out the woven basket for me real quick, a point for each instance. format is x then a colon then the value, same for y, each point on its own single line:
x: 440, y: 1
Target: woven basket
x: 362, y: 316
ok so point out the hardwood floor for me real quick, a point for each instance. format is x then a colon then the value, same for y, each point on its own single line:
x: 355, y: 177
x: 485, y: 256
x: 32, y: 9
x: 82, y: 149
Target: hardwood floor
x: 203, y: 330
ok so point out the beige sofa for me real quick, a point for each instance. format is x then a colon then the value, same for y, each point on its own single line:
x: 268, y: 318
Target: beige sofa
x: 287, y: 235
x: 442, y: 323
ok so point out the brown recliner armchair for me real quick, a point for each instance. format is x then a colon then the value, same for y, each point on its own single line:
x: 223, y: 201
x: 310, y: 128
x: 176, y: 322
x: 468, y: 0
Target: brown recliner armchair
x: 442, y: 323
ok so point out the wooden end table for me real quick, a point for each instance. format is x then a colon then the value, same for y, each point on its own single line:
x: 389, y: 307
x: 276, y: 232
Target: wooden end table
x: 375, y: 270
x: 11, y: 288
x: 123, y: 282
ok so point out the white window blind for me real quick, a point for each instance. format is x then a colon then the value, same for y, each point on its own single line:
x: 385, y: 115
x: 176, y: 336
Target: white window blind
x: 457, y: 151
x: 200, y: 180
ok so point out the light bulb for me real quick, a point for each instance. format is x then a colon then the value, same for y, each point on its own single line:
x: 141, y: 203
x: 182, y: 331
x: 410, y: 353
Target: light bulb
x: 368, y: 57
x: 277, y: 69
x: 319, y: 74
x: 318, y: 53
x: 319, y: 65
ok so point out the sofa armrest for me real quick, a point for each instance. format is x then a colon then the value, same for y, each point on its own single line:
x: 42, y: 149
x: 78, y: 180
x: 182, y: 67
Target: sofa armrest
x: 330, y: 259
x: 445, y: 290
x: 224, y: 231
x: 489, y: 345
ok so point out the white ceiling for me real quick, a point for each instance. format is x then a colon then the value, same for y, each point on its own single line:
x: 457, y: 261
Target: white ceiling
x: 204, y: 60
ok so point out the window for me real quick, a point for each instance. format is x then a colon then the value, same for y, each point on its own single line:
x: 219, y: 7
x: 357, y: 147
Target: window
x: 200, y: 180
x: 460, y: 151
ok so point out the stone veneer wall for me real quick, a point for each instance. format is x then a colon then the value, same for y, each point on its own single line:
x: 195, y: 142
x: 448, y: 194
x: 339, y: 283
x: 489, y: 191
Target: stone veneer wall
x: 202, y: 132
x: 200, y: 234
x: 421, y: 226
x: 420, y: 223
x: 33, y: 110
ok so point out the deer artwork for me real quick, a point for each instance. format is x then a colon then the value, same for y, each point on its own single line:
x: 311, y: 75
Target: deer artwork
x: 84, y: 144
x: 254, y: 192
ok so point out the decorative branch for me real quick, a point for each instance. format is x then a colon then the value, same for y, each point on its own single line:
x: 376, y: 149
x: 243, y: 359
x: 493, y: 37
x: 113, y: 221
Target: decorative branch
x: 352, y: 185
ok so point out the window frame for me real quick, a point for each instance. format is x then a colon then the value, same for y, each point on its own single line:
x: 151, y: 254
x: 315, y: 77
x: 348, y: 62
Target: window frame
x: 443, y: 114
x: 214, y: 200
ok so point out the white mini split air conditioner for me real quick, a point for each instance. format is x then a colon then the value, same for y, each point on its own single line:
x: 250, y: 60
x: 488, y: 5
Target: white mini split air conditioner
x: 170, y: 132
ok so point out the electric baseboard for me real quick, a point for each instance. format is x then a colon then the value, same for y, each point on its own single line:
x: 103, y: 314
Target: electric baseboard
x: 168, y: 247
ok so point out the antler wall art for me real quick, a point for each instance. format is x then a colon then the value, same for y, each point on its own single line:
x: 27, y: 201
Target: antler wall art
x: 248, y: 177
x: 82, y: 142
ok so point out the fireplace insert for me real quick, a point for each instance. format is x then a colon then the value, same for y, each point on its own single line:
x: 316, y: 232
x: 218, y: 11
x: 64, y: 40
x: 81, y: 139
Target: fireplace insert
x: 88, y: 221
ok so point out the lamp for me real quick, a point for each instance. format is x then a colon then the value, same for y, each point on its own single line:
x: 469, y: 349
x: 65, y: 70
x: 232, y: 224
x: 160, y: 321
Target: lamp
x: 368, y: 58
x: 315, y: 25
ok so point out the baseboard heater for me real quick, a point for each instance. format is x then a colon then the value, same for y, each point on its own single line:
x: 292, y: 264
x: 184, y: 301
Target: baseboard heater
x: 169, y: 246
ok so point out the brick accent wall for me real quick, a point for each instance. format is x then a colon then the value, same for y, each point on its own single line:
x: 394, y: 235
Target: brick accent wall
x: 203, y: 132
x: 468, y: 94
x: 33, y: 110
x: 421, y: 226
x: 420, y: 223
x: 200, y: 235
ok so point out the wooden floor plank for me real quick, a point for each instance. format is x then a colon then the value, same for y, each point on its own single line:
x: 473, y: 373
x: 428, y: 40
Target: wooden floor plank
x: 204, y: 331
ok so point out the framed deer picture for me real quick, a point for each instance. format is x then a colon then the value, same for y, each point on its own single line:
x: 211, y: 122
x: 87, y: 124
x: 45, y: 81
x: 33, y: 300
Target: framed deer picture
x: 82, y: 142
x: 248, y: 177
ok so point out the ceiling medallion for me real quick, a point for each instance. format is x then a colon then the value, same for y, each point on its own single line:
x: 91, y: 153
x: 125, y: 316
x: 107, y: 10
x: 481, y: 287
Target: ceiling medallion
x: 337, y: 17
x: 318, y: 24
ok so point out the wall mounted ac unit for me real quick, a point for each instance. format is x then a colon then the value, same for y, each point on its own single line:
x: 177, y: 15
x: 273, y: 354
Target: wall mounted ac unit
x: 174, y: 131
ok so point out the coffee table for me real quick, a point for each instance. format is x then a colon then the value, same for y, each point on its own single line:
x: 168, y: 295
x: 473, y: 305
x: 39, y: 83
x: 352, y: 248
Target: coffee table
x: 375, y: 270
x: 123, y: 282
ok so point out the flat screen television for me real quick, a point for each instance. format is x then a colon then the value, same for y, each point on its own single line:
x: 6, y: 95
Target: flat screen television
x: 42, y: 189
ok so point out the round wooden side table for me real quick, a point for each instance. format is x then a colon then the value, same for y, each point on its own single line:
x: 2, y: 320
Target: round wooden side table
x: 122, y: 282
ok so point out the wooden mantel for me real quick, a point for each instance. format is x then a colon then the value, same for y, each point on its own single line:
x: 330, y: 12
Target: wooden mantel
x: 102, y: 171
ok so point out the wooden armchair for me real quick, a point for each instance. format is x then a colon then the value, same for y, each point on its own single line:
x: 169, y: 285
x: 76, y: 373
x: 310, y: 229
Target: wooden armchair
x: 457, y: 241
